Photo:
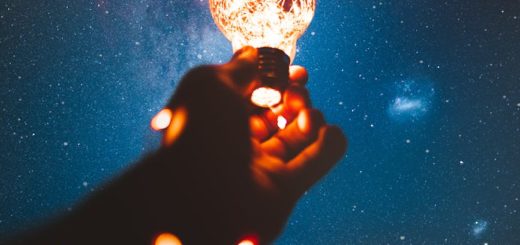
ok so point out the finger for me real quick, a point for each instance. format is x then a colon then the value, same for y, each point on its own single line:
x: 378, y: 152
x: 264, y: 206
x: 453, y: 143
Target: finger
x: 317, y: 159
x: 296, y: 98
x: 241, y: 70
x: 246, y: 53
x: 260, y: 130
x: 298, y: 75
x: 264, y: 125
x: 287, y: 143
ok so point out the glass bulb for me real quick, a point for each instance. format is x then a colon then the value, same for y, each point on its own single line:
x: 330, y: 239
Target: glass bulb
x: 263, y: 23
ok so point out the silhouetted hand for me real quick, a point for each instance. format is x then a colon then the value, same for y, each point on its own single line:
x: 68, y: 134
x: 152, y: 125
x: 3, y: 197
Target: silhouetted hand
x: 261, y: 170
x: 224, y: 173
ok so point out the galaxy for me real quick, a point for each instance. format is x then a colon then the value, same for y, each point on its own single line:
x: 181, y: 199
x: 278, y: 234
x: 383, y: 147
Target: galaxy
x: 478, y: 228
x: 428, y: 93
x: 412, y: 101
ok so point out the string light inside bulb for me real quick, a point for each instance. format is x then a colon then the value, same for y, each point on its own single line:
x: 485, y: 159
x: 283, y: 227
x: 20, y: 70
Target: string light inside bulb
x: 263, y: 23
x: 266, y: 97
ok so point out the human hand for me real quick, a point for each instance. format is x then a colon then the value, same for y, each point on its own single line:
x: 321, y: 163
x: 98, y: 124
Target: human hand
x: 260, y: 170
x: 224, y: 174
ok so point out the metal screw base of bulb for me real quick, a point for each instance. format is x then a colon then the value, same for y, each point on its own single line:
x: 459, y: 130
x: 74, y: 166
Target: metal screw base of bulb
x: 273, y: 68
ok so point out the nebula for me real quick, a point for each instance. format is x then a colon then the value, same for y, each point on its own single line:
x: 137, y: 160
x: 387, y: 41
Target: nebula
x: 411, y: 100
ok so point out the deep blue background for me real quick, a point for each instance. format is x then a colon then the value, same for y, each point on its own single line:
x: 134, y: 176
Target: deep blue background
x: 427, y: 91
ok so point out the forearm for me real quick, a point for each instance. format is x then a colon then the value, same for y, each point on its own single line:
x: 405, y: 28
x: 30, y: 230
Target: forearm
x: 117, y: 213
x: 151, y: 198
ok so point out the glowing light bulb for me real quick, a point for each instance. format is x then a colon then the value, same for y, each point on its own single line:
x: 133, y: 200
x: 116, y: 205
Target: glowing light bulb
x: 263, y: 23
x: 272, y: 26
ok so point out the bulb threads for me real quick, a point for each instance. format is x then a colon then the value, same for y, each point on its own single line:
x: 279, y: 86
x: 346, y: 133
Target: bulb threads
x: 273, y: 68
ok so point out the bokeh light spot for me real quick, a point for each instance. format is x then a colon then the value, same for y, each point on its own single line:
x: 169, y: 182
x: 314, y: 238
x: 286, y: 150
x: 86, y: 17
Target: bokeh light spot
x: 161, y: 120
x: 167, y: 239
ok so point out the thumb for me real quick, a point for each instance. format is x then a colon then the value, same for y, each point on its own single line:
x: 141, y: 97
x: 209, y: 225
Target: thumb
x: 240, y: 72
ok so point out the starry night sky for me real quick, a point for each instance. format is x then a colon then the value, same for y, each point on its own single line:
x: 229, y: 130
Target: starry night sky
x: 427, y: 91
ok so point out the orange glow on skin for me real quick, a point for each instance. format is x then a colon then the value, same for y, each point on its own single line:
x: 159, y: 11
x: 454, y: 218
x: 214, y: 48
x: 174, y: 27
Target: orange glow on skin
x: 246, y: 242
x: 178, y: 122
x: 249, y: 240
x: 167, y: 239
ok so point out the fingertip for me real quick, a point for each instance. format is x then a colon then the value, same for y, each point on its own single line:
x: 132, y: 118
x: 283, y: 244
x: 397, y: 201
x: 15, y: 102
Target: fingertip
x: 258, y: 128
x: 296, y: 98
x: 298, y: 75
x: 335, y: 141
x: 316, y: 160
x: 240, y: 71
x: 309, y: 121
x: 246, y: 54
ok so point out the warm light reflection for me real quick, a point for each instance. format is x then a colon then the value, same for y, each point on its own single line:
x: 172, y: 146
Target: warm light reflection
x: 281, y: 122
x: 266, y: 97
x: 263, y: 23
x: 167, y: 239
x: 246, y: 242
x: 178, y: 122
x: 161, y: 120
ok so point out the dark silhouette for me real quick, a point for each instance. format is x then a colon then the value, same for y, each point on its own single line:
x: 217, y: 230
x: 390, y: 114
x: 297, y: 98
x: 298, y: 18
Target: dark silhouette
x: 224, y: 171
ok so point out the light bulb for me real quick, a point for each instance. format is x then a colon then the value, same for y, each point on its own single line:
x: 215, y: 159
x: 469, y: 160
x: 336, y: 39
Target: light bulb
x: 272, y: 26
x: 263, y: 23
